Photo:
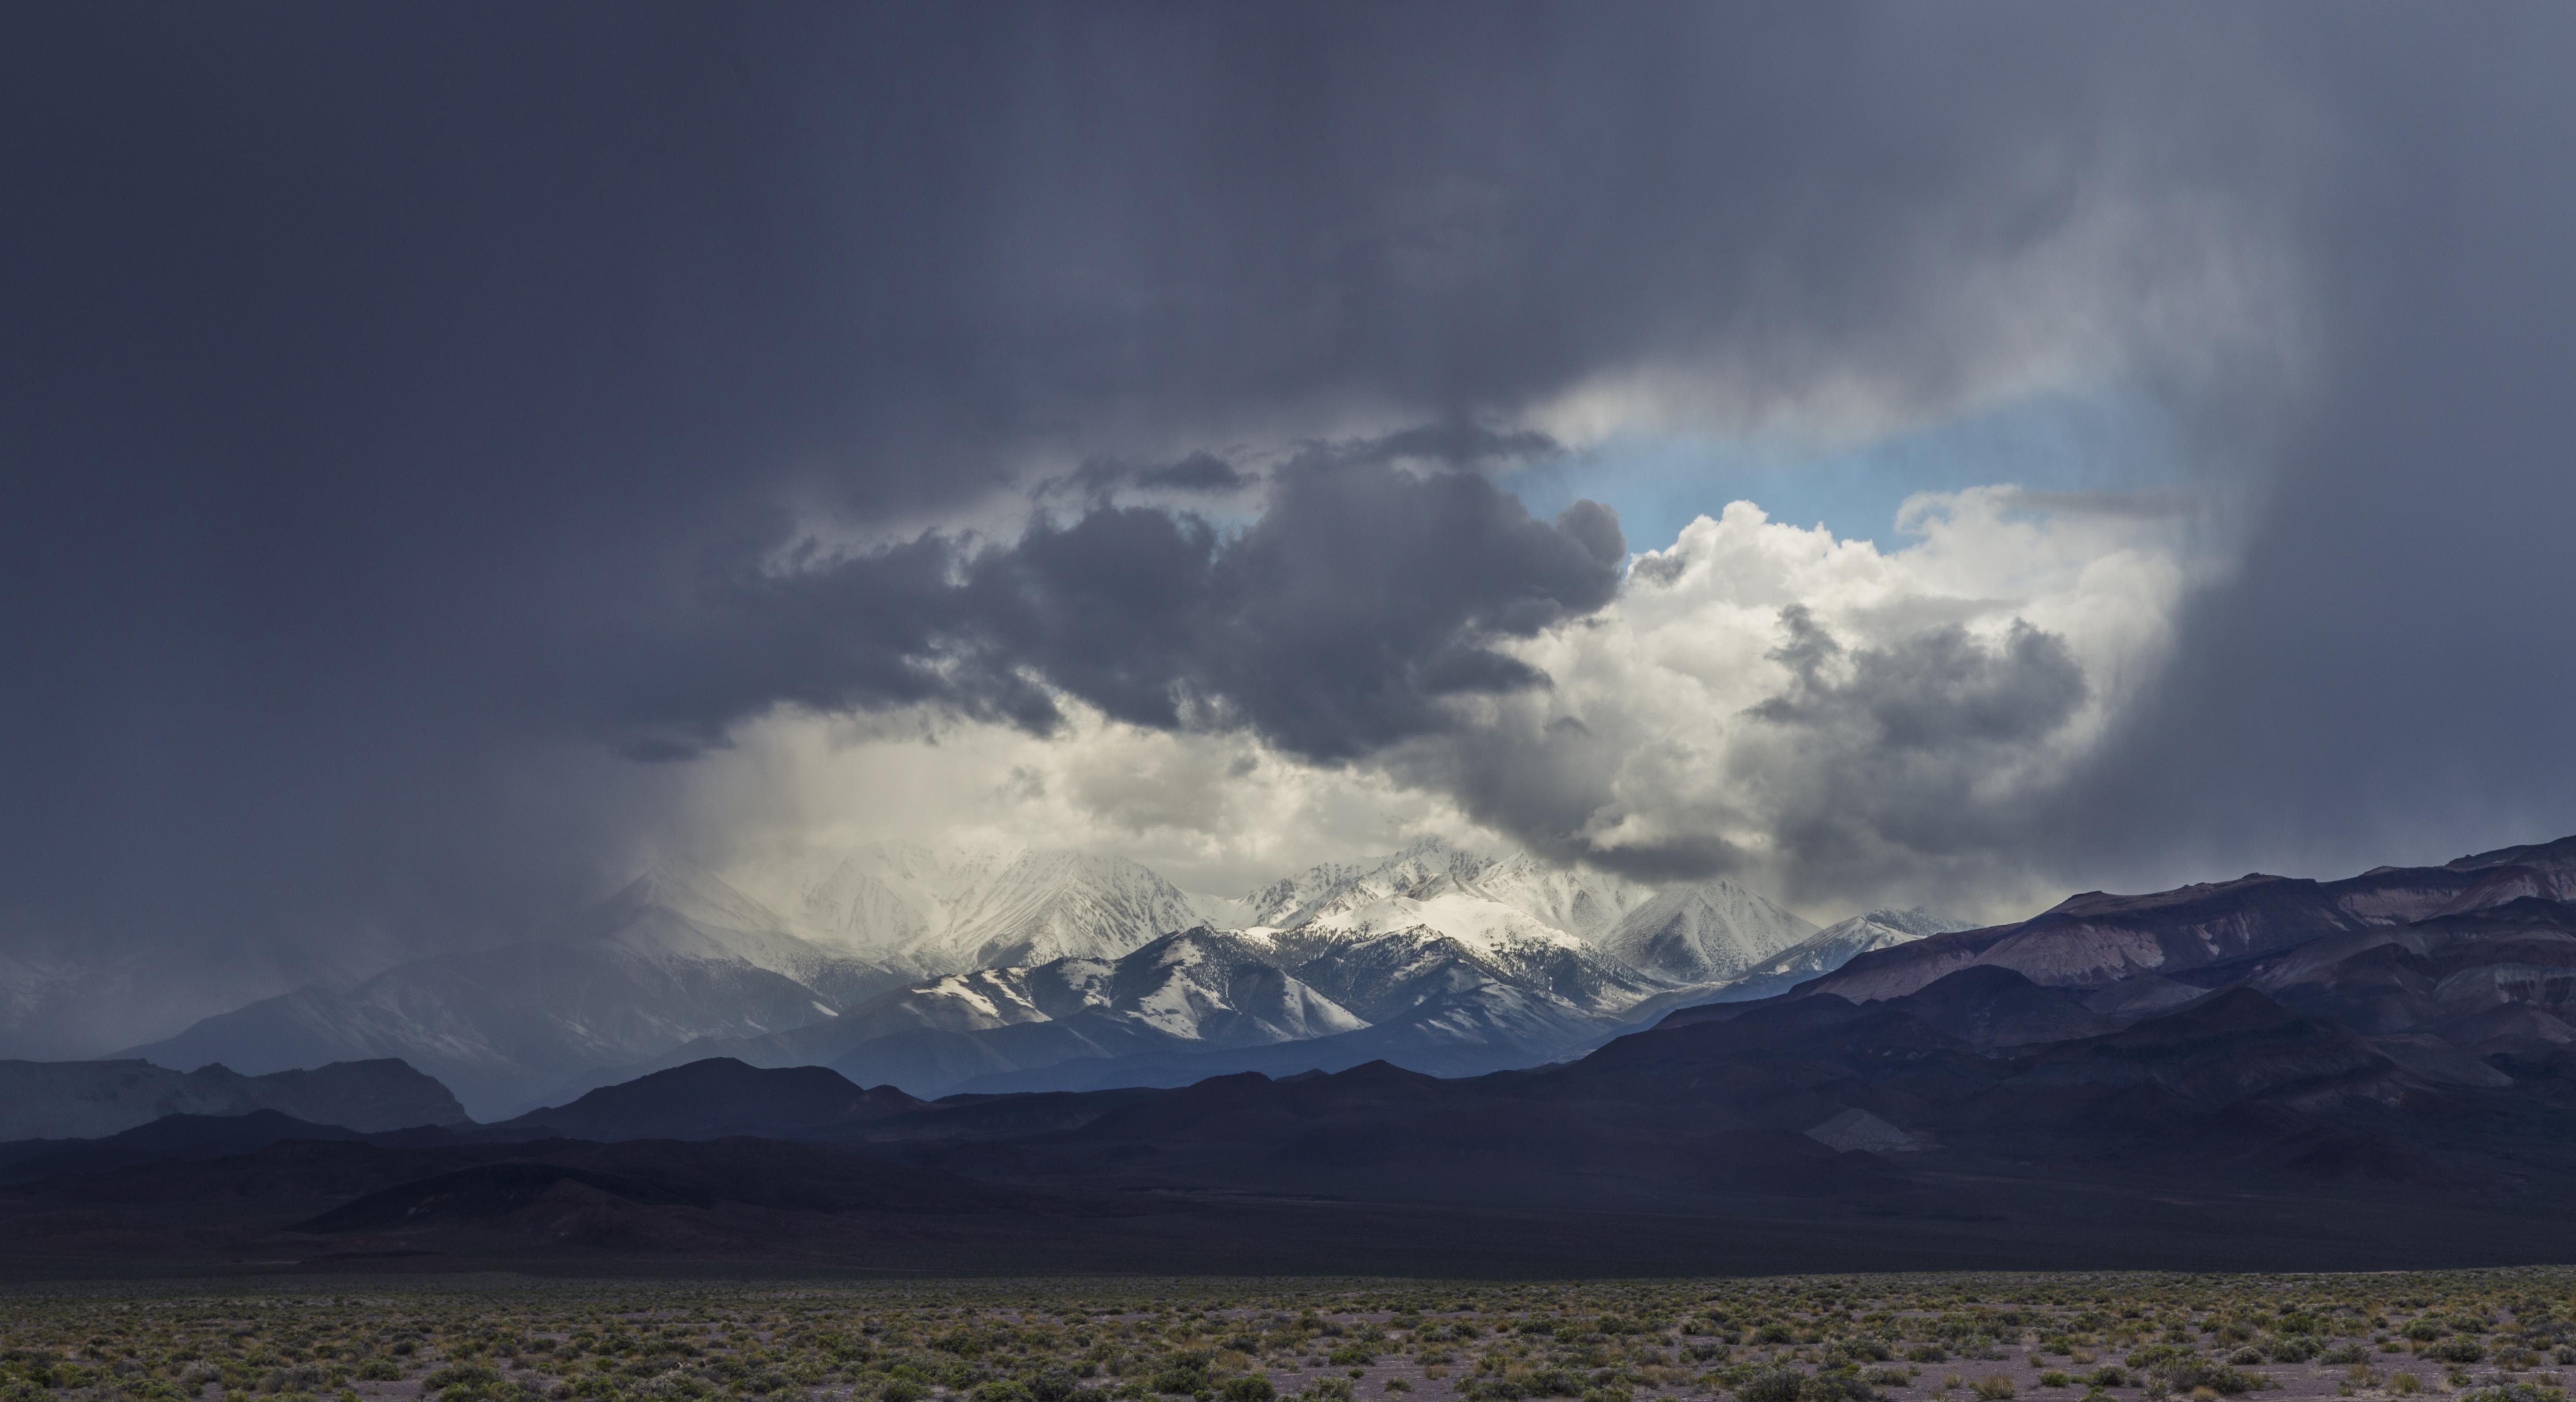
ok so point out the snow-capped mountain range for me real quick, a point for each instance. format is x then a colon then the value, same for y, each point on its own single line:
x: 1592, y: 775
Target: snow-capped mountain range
x: 932, y: 970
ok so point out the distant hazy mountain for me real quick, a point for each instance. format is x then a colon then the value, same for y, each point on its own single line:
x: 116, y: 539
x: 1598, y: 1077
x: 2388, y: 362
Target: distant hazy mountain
x: 930, y: 913
x: 1835, y: 945
x: 1192, y: 988
x: 1706, y: 932
x: 1294, y: 900
x: 182, y: 1137
x: 1431, y: 956
x: 672, y: 957
x: 714, y: 1098
x: 901, y: 964
x: 91, y: 1099
x: 2395, y: 1047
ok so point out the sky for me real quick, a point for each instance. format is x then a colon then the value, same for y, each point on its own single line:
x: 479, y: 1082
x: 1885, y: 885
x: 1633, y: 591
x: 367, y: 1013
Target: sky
x: 451, y: 455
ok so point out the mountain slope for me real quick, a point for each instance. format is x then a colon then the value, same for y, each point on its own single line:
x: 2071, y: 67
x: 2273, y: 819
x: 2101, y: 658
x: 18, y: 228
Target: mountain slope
x: 2095, y: 940
x: 93, y: 1099
x: 184, y: 1137
x: 670, y: 958
x: 1431, y: 955
x: 712, y: 1099
x: 928, y: 913
x: 925, y: 969
x: 1190, y: 989
x: 1829, y: 949
x: 1705, y: 932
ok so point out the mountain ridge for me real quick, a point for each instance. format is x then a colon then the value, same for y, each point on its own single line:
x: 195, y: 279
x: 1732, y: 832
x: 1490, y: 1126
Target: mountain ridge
x: 912, y: 947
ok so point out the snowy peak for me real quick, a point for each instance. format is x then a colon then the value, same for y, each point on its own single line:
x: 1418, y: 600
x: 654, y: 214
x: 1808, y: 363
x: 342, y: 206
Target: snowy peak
x: 1516, y: 897
x: 932, y: 913
x: 1296, y: 899
x: 1216, y: 987
x: 1916, y: 921
x: 1455, y: 909
x: 1045, y: 906
x: 858, y: 909
x: 1843, y: 941
x: 675, y: 913
x: 1583, y: 903
x: 1221, y: 987
x: 1704, y: 932
x: 699, y: 897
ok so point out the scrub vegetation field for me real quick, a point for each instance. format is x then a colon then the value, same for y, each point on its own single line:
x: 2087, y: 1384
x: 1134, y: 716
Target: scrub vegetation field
x: 2498, y: 1336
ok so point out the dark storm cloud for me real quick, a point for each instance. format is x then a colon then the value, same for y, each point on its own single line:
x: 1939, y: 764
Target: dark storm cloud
x: 1202, y: 473
x: 1881, y: 750
x: 2387, y: 678
x: 1870, y: 762
x: 1939, y: 690
x: 1334, y: 625
x: 378, y: 384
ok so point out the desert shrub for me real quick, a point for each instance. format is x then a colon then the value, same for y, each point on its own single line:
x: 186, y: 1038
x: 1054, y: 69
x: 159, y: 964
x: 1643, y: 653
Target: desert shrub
x: 1055, y: 1384
x: 1927, y: 1353
x: 460, y: 1381
x: 2246, y: 1357
x: 2193, y: 1374
x: 1001, y: 1390
x: 1351, y: 1356
x: 2054, y: 1378
x: 1612, y: 1393
x: 1769, y: 1385
x: 2107, y: 1376
x: 1252, y: 1387
x: 2424, y: 1331
x: 2345, y: 1353
x: 2515, y: 1392
x: 1837, y: 1385
x: 1337, y: 1389
x: 2291, y: 1350
x: 1993, y: 1388
x: 903, y: 1390
x: 2459, y: 1348
x: 377, y: 1370
x: 1888, y: 1377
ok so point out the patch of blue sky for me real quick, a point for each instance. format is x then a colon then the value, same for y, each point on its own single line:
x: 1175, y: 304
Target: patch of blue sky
x: 2103, y: 442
